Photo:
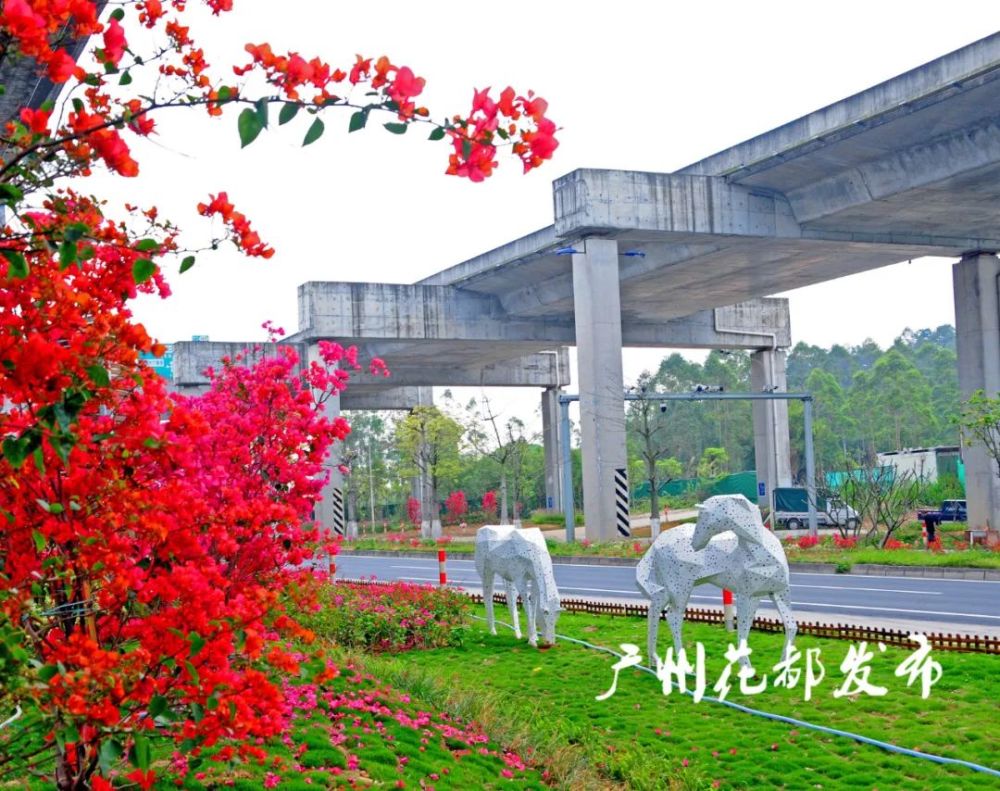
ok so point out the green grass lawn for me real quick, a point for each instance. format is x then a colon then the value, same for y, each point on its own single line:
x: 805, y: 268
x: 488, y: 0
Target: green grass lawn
x: 644, y: 740
x: 358, y: 733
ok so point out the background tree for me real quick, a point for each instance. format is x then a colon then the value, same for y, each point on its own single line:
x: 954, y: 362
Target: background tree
x: 882, y: 496
x: 980, y: 422
x: 427, y: 441
x: 499, y: 440
x: 373, y: 467
x: 648, y: 435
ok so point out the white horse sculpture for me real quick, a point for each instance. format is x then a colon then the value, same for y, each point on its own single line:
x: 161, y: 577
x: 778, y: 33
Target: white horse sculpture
x: 728, y: 547
x: 521, y: 559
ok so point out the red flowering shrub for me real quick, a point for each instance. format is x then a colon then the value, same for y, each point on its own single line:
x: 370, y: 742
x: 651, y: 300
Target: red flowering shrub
x: 840, y: 542
x: 143, y: 537
x: 443, y: 541
x: 397, y: 616
x: 894, y: 543
x: 413, y: 510
x: 456, y: 506
x: 490, y: 506
x: 807, y: 542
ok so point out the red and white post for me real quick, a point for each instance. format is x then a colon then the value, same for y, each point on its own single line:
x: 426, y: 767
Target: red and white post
x: 442, y: 575
x: 727, y: 610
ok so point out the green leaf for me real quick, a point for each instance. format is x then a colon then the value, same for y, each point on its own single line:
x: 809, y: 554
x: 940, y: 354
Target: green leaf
x: 18, y: 263
x: 225, y: 94
x: 10, y: 194
x: 192, y: 671
x: 118, y: 14
x: 67, y: 253
x: 40, y: 543
x: 145, y: 245
x: 249, y: 126
x: 396, y: 129
x: 157, y: 705
x: 139, y: 754
x: 47, y: 672
x: 186, y: 264
x: 99, y: 375
x: 358, y: 121
x: 261, y: 108
x: 125, y: 79
x: 437, y: 133
x: 197, y: 712
x: 142, y: 270
x: 15, y: 450
x: 111, y: 751
x: 78, y: 105
x: 197, y: 643
x: 315, y: 132
x: 288, y: 111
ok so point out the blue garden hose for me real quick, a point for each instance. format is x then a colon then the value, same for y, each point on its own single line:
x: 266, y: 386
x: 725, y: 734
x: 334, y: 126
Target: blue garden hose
x: 939, y: 759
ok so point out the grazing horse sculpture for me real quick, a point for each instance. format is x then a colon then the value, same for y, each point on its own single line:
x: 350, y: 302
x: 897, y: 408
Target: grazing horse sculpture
x: 522, y: 560
x: 728, y: 547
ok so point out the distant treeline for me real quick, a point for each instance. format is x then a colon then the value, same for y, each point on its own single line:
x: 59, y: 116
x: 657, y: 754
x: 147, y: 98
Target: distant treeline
x: 867, y: 399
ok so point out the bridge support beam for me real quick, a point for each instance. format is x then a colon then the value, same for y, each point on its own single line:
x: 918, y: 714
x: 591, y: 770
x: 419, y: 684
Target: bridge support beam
x: 770, y: 424
x: 550, y: 442
x: 602, y: 413
x: 976, y: 280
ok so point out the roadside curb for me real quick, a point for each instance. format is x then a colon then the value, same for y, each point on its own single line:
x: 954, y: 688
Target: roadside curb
x: 863, y: 569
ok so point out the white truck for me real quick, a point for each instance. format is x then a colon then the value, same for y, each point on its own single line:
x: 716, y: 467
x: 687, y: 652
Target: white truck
x: 791, y: 510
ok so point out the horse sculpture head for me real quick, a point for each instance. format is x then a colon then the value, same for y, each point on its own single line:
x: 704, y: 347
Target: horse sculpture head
x: 727, y: 512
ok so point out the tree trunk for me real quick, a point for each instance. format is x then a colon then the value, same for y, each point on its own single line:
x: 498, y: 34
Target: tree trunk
x: 654, y: 508
x: 504, y: 513
x: 352, y: 511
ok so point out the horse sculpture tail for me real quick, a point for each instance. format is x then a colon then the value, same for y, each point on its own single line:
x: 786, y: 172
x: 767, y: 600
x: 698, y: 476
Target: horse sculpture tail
x: 644, y: 574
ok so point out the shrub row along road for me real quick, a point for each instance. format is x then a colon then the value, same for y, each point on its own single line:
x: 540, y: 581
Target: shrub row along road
x: 882, y: 601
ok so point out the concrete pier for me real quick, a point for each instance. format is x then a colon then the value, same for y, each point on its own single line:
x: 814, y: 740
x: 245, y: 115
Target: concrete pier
x: 976, y: 280
x: 602, y: 411
x: 550, y: 443
x: 770, y: 423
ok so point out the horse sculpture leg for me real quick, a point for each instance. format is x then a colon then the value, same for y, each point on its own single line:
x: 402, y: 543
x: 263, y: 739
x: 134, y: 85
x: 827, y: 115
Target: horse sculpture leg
x: 791, y: 627
x: 675, y: 617
x: 530, y: 605
x: 512, y: 604
x: 656, y: 605
x: 746, y: 606
x: 488, y: 600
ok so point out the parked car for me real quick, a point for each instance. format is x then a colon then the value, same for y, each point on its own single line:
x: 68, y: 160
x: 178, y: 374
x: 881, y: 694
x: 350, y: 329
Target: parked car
x: 950, y: 511
x: 791, y: 510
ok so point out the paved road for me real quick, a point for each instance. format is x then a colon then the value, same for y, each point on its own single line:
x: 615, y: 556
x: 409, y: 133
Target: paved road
x: 885, y: 600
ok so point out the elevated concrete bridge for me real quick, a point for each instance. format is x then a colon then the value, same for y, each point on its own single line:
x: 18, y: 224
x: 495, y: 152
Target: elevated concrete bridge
x: 907, y: 168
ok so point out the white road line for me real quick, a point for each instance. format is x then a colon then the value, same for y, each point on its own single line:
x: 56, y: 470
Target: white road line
x: 892, y: 577
x: 855, y: 588
x: 895, y: 609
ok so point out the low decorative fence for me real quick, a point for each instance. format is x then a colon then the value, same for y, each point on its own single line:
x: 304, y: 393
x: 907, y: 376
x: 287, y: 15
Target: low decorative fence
x: 838, y: 631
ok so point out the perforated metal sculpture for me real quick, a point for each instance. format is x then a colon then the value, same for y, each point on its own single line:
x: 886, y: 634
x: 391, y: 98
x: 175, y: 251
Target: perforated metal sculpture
x: 521, y: 559
x: 728, y: 547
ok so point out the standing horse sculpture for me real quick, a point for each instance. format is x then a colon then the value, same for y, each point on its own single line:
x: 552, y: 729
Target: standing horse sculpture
x: 521, y: 559
x: 728, y: 547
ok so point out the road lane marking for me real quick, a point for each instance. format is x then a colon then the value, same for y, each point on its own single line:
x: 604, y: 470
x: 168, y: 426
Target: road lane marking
x: 892, y: 577
x: 856, y: 588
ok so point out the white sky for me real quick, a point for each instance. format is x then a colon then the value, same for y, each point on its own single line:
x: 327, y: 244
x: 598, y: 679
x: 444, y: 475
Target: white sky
x: 635, y: 85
